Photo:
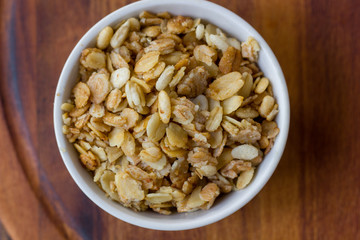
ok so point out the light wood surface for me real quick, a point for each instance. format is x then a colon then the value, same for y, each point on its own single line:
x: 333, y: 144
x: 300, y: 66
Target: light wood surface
x: 313, y: 194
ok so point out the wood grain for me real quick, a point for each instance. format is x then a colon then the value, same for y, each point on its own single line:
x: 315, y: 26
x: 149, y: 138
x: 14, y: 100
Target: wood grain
x: 313, y: 194
x: 3, y: 234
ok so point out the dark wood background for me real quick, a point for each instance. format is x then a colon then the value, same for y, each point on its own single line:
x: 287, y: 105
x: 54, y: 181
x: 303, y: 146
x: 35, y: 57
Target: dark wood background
x: 315, y: 191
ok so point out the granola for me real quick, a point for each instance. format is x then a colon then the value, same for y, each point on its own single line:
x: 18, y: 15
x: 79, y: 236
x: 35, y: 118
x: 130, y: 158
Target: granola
x: 169, y: 113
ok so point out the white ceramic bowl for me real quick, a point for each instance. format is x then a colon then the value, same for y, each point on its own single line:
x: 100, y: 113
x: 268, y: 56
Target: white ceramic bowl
x: 226, y: 205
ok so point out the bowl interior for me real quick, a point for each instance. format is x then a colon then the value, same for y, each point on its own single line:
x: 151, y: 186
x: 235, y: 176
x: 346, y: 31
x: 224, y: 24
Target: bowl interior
x: 234, y: 26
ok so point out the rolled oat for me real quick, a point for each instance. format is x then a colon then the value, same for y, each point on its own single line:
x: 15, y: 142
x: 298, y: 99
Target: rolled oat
x: 167, y: 114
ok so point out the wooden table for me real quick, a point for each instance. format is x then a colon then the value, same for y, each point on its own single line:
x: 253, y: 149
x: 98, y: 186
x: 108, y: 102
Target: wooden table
x: 315, y: 191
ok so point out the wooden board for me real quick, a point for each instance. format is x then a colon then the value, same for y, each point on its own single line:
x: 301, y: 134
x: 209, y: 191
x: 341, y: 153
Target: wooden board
x: 315, y: 191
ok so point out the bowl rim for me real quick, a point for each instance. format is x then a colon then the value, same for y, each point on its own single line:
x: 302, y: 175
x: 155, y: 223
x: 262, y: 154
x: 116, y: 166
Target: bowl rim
x: 131, y: 218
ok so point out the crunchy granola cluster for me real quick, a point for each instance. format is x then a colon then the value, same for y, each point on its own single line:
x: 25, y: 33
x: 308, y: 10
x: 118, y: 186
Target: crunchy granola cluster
x: 169, y: 112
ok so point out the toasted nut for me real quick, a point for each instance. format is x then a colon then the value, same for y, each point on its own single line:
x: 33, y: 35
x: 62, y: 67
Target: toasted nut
x: 104, y: 37
x: 194, y: 83
x: 155, y: 128
x: 164, y: 106
x: 245, y: 152
x: 120, y: 35
x: 93, y: 58
x: 262, y: 85
x: 244, y: 178
x: 266, y: 106
x: 147, y: 62
x: 232, y: 104
x: 225, y: 86
x: 215, y: 119
x: 165, y: 78
x: 176, y: 135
